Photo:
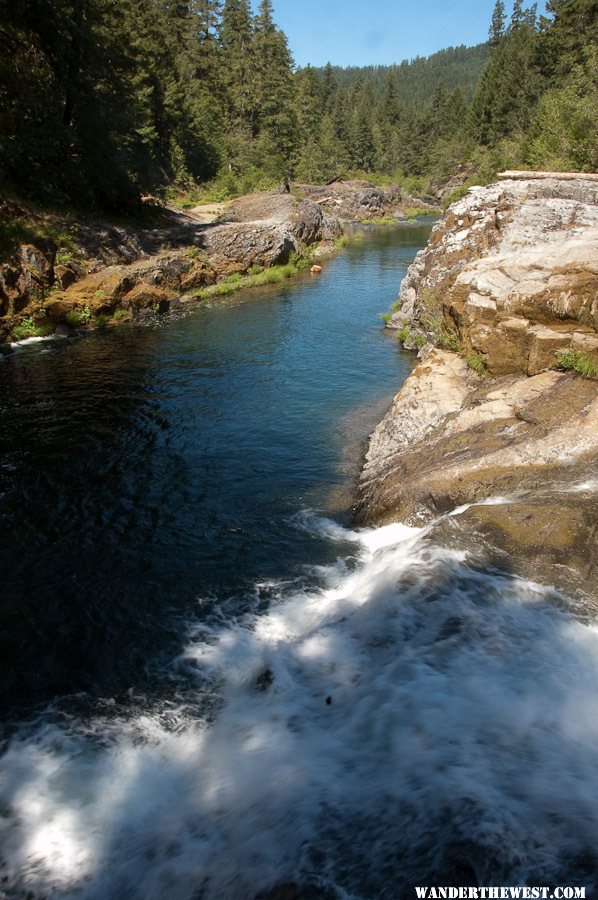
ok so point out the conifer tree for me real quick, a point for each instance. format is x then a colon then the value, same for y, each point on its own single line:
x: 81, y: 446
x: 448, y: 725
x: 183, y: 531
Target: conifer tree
x: 236, y: 35
x: 497, y: 26
x: 274, y: 82
x: 517, y: 16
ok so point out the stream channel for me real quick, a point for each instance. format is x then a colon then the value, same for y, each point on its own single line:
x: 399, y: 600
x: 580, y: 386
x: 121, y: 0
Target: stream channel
x: 212, y: 684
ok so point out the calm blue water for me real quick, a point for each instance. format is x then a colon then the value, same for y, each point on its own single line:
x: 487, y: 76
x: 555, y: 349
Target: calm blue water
x: 151, y: 473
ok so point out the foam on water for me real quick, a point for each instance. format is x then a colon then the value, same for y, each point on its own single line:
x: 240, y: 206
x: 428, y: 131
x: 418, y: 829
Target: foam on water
x: 26, y: 342
x: 413, y: 721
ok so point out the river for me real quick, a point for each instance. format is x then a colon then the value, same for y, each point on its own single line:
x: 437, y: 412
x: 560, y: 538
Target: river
x: 213, y: 684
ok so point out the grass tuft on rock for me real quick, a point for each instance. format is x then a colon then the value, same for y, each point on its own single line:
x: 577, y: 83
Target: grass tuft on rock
x: 476, y: 363
x: 578, y: 361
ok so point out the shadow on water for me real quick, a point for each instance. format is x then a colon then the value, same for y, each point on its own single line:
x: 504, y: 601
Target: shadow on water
x: 149, y: 468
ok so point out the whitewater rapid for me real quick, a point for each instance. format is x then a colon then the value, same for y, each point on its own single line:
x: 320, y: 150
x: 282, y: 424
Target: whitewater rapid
x: 415, y: 719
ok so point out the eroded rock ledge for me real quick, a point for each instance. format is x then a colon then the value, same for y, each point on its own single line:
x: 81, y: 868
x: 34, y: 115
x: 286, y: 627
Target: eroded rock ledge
x: 103, y: 269
x: 511, y: 274
x: 151, y: 269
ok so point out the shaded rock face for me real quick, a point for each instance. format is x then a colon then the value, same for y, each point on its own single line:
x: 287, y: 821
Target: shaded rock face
x: 28, y: 277
x: 512, y: 270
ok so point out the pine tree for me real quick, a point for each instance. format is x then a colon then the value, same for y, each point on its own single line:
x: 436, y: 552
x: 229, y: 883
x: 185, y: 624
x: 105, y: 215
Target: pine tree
x: 517, y: 16
x: 497, y: 26
x: 236, y: 35
x: 274, y: 82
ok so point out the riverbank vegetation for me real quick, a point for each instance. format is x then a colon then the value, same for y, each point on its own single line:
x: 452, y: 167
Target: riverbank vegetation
x: 102, y: 103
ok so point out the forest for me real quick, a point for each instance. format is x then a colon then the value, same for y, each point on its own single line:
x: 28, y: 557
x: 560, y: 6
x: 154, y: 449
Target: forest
x: 102, y: 103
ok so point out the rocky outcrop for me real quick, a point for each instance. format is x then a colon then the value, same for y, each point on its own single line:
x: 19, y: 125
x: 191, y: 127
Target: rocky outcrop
x: 151, y: 269
x: 266, y: 230
x: 360, y: 201
x: 510, y: 275
x: 27, y: 277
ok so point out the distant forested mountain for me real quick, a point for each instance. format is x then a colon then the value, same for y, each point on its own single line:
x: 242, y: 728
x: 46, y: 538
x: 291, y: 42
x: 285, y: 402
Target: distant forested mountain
x: 456, y: 67
x: 102, y: 101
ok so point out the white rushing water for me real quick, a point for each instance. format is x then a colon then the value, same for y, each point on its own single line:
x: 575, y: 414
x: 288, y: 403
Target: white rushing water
x: 415, y: 720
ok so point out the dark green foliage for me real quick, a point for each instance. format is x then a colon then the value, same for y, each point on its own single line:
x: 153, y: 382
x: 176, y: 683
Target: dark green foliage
x: 104, y: 101
x: 497, y: 26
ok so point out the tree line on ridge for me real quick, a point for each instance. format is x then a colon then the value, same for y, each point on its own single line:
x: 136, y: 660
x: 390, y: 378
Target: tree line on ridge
x: 102, y: 101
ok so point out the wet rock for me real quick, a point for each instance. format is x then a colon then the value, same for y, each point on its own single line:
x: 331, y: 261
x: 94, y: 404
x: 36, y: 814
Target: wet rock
x: 548, y: 536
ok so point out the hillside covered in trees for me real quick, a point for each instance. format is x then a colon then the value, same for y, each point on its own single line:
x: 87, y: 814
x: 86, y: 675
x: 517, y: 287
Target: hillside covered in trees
x: 101, y: 102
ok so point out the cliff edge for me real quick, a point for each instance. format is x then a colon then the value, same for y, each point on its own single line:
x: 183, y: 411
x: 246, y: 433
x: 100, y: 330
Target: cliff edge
x: 503, y: 299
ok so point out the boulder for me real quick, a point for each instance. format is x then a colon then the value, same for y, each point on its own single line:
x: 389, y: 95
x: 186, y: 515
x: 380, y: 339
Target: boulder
x: 150, y: 296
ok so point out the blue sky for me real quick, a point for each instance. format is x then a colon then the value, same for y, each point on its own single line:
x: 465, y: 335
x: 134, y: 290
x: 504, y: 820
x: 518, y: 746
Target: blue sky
x: 380, y: 32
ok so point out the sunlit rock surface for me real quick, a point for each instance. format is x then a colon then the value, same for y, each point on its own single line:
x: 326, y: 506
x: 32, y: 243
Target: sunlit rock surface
x: 511, y: 272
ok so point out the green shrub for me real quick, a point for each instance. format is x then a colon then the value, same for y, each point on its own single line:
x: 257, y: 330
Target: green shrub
x: 63, y: 256
x: 28, y: 328
x: 270, y: 276
x: 255, y: 270
x: 578, y: 361
x: 273, y: 275
x: 341, y: 242
x: 196, y: 253
x: 76, y: 317
x: 119, y: 314
x: 412, y: 212
x: 233, y: 279
x: 476, y: 362
x: 455, y: 195
x: 447, y: 340
x: 432, y: 320
x: 386, y: 317
x: 403, y: 333
x: 300, y: 260
x: 101, y: 321
x: 380, y: 220
x: 420, y: 341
